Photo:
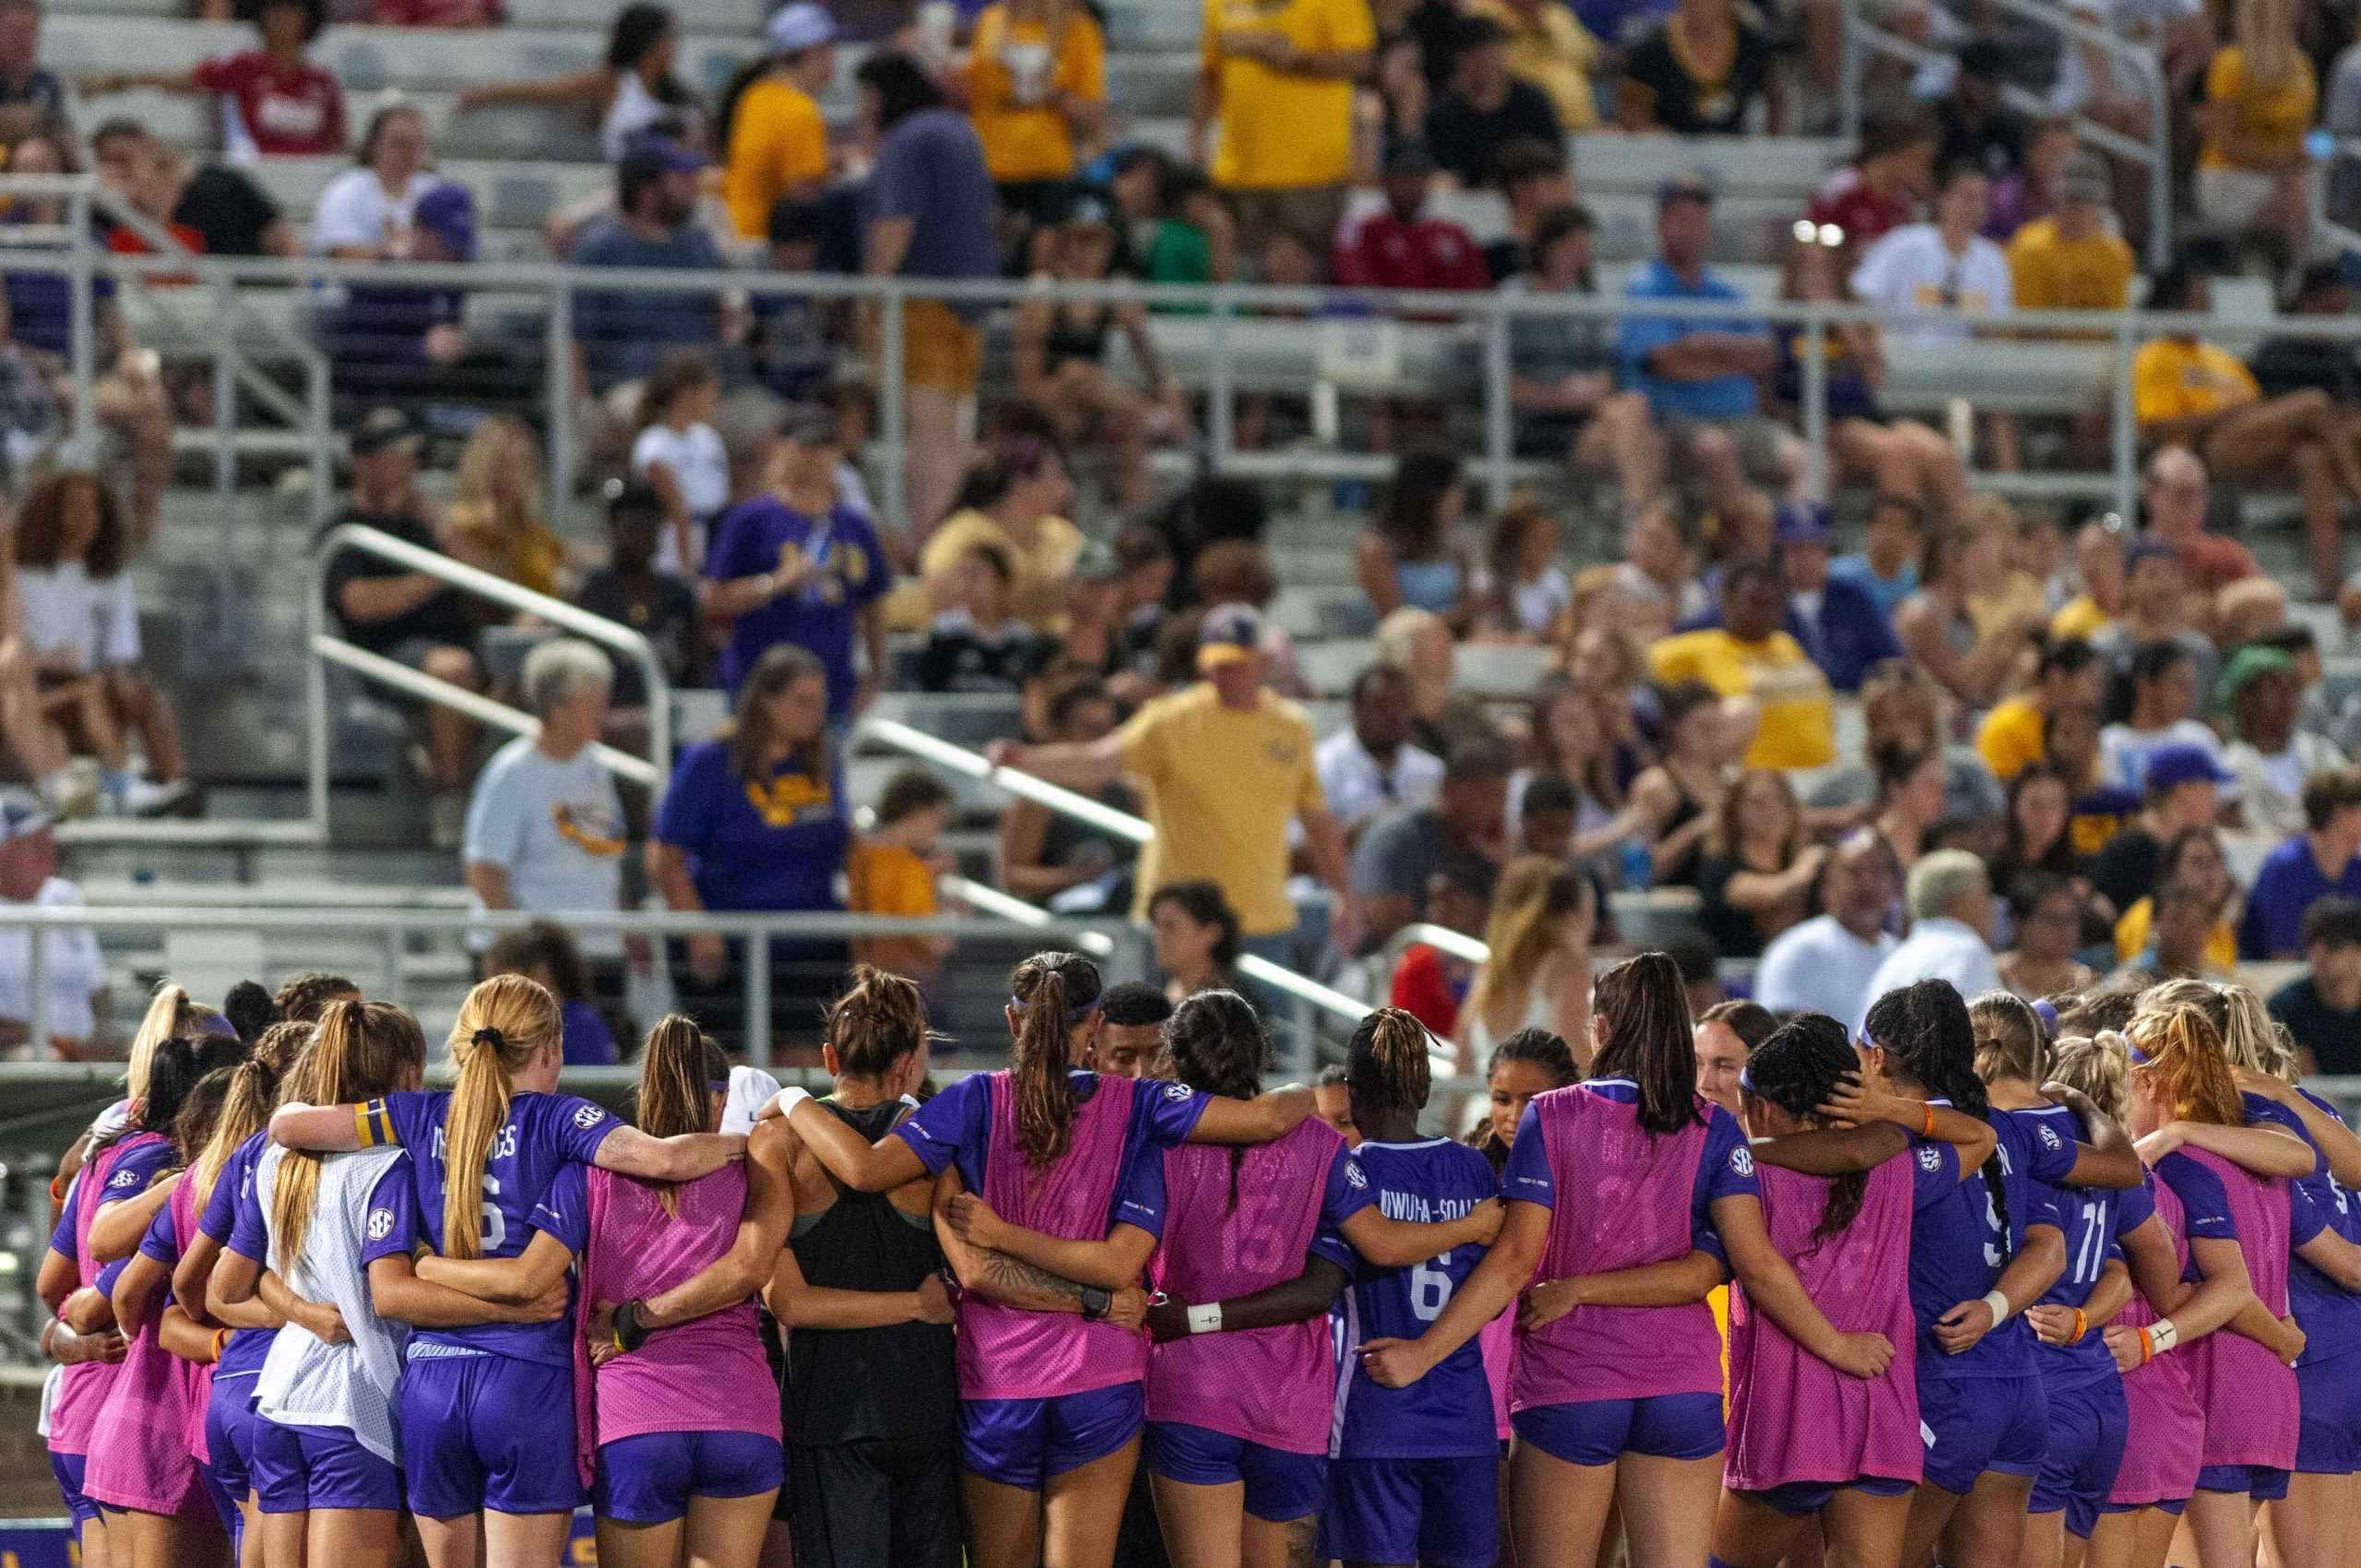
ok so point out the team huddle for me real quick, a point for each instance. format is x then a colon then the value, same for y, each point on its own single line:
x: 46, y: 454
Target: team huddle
x: 306, y: 1308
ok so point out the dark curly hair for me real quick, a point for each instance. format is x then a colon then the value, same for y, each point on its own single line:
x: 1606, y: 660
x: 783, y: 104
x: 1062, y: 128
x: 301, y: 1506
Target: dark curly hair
x: 1796, y: 1068
x: 1925, y: 1031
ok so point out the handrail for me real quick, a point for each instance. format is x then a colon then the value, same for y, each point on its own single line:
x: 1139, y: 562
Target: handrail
x: 1443, y: 939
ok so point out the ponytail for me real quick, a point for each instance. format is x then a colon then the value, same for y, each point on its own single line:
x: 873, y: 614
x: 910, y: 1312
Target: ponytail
x: 1643, y: 1005
x: 360, y: 1050
x: 1925, y: 1029
x: 1054, y: 993
x: 678, y: 1069
x: 253, y: 1091
x: 1796, y: 1069
x: 173, y: 1068
x: 2009, y: 1038
x: 168, y: 1011
x: 504, y: 1023
x: 199, y: 1113
x: 2100, y: 1067
x: 1386, y: 1064
x: 1216, y: 1043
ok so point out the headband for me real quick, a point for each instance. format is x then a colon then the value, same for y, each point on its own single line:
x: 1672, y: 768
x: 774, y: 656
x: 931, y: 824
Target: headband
x: 1746, y: 1080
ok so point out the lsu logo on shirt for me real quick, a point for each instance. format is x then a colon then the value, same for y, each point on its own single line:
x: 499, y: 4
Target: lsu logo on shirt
x: 781, y: 800
x: 381, y: 1224
x: 589, y: 827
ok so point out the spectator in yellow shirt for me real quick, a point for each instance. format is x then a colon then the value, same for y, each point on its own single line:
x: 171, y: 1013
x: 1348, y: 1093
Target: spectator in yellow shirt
x: 1037, y: 93
x: 1278, y: 78
x: 1550, y: 50
x: 2071, y: 260
x: 892, y: 871
x: 774, y: 141
x: 2071, y: 674
x: 2100, y: 562
x: 2252, y: 174
x: 1748, y: 656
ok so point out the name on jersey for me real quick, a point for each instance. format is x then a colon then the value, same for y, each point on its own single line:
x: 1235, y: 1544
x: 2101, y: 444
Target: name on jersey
x: 504, y: 1143
x: 1417, y: 1208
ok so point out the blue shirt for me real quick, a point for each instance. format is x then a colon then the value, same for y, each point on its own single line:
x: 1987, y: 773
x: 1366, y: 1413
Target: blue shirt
x: 820, y: 617
x: 1960, y: 1242
x: 1724, y: 1167
x: 930, y: 170
x: 1887, y: 592
x: 243, y: 1356
x: 774, y: 844
x: 2206, y: 1207
x: 2091, y: 1220
x: 2285, y: 886
x: 1722, y: 397
x: 623, y: 332
x: 1447, y: 1413
x: 585, y: 1042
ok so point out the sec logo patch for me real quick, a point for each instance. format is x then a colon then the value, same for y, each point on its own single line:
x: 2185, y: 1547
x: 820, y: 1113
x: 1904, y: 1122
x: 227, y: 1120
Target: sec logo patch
x: 1178, y: 1092
x: 589, y: 1116
x: 1353, y: 1176
x: 381, y: 1224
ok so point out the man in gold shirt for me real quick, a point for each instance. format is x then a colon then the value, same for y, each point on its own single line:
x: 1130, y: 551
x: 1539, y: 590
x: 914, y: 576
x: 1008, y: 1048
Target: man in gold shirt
x: 1278, y: 76
x: 2071, y: 260
x: 1749, y: 655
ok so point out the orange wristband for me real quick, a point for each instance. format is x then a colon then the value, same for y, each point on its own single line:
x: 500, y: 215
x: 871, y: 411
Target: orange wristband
x: 220, y: 1339
x: 1928, y: 1130
x: 2081, y: 1326
x: 2147, y: 1347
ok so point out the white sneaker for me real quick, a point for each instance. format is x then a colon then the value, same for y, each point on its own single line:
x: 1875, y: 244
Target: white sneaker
x: 146, y: 798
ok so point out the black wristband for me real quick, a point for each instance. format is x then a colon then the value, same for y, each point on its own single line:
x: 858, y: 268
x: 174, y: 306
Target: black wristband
x: 1094, y: 1302
x: 630, y: 1333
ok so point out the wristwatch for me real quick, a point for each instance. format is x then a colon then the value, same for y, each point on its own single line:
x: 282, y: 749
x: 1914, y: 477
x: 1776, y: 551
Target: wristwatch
x: 1094, y: 1302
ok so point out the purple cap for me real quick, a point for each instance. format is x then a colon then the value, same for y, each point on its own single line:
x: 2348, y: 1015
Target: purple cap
x: 1802, y: 522
x: 2176, y: 766
x: 2147, y: 547
x: 665, y: 153
x: 448, y: 212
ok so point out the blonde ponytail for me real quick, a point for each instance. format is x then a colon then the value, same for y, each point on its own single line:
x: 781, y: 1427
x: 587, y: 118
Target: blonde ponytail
x: 502, y: 1025
x: 360, y: 1049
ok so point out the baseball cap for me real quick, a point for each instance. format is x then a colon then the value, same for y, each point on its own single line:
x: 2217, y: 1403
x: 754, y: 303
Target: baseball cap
x: 1685, y: 187
x: 1802, y: 522
x: 2147, y: 548
x: 21, y: 815
x: 802, y: 25
x: 2083, y: 177
x: 663, y: 155
x: 448, y: 212
x: 1231, y: 632
x: 2250, y: 661
x: 2174, y: 766
x: 381, y: 428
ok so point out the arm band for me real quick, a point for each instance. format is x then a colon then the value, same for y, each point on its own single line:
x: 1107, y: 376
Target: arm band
x: 1999, y: 1305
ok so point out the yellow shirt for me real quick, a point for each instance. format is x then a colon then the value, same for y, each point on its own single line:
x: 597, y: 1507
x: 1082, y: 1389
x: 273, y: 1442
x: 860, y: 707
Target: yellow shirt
x: 2172, y: 380
x: 529, y: 554
x: 1552, y: 51
x: 2271, y: 120
x: 1223, y: 783
x: 2081, y: 618
x: 2010, y: 738
x: 887, y: 879
x: 1038, y: 595
x: 1281, y: 132
x: 778, y: 141
x: 2047, y: 272
x: 1027, y: 139
x: 2021, y: 597
x: 1798, y: 726
x: 2131, y: 938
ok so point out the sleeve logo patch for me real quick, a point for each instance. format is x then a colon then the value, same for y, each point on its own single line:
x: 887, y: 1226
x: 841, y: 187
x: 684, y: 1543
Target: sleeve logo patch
x: 2050, y: 1139
x: 1178, y: 1092
x: 587, y: 1116
x: 1353, y: 1175
x: 1930, y: 1158
x: 381, y: 1224
x: 1743, y: 1161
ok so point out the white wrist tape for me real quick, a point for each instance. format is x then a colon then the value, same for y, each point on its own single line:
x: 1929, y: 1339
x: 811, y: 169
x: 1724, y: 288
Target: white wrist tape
x: 1999, y: 1305
x: 1205, y: 1318
x: 2163, y: 1336
x: 788, y: 1098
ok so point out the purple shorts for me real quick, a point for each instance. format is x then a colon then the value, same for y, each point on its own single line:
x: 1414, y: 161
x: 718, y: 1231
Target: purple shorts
x: 1598, y: 1431
x: 1281, y: 1486
x: 225, y: 1507
x: 648, y: 1479
x: 298, y: 1470
x: 1975, y: 1425
x: 2172, y: 1506
x: 230, y: 1422
x: 487, y: 1432
x: 2088, y: 1427
x: 2264, y: 1483
x: 2330, y: 1405
x: 1441, y: 1513
x: 1801, y: 1500
x: 67, y: 1468
x: 1023, y: 1442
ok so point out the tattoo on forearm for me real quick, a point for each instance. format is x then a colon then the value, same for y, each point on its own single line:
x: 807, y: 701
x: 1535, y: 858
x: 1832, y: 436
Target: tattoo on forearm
x: 1007, y: 1276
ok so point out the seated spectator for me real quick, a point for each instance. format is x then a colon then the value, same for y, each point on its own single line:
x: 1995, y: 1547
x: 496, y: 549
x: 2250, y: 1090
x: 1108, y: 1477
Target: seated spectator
x: 2181, y: 946
x: 29, y: 94
x: 1548, y: 48
x: 1428, y: 983
x: 1062, y: 355
x: 2269, y: 757
x: 276, y: 101
x: 631, y: 87
x: 1194, y: 933
x: 1878, y: 189
x: 2304, y: 870
x: 2101, y: 569
x: 2046, y: 913
x: 1405, y: 555
x: 2253, y: 175
x: 1912, y: 789
x: 755, y: 820
x: 1569, y: 744
x: 2186, y: 392
x: 1978, y: 127
x: 1671, y: 83
x: 1946, y: 262
x: 1893, y: 542
x: 1899, y: 457
x: 1418, y: 643
x: 80, y: 622
x: 791, y: 335
x: 2162, y: 716
x: 1522, y: 591
x: 2032, y: 191
x: 1749, y: 655
x: 412, y: 617
x: 1537, y: 977
x: 1037, y: 91
x: 798, y: 566
x: 494, y: 522
x: 544, y: 952
x: 679, y: 455
x: 2192, y: 857
x: 2175, y: 498
x: 2288, y: 363
x: 74, y: 972
x: 1935, y: 628
x: 892, y: 870
x: 1561, y: 368
x: 632, y: 591
x: 1836, y: 624
x: 2070, y: 674
x: 1949, y: 900
x: 1404, y: 244
x: 1681, y: 796
x: 545, y: 828
x: 1179, y: 228
x: 1405, y: 849
x: 621, y: 334
x: 1535, y: 181
x: 1544, y: 819
x: 1657, y: 588
x: 147, y: 176
x: 1486, y: 106
x: 1042, y: 853
x: 2156, y: 601
x: 1759, y: 869
x: 2038, y: 840
x: 1019, y: 500
x: 1143, y: 559
x: 220, y: 203
x: 2072, y: 259
x: 2181, y: 793
x: 410, y: 340
x: 436, y: 13
x: 773, y: 138
x: 1088, y: 643
x: 1370, y: 765
x: 977, y: 646
x: 1901, y: 709
x: 364, y: 213
x: 2321, y: 1009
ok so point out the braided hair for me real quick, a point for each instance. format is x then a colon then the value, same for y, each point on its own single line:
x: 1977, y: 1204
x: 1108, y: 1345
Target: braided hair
x: 1796, y: 1069
x: 1385, y: 1065
x: 1216, y: 1043
x: 1924, y: 1029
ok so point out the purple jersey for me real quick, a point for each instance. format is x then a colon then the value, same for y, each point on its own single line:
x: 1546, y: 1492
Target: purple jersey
x: 2328, y: 1314
x: 1448, y: 1413
x: 2168, y: 1429
x: 2247, y: 1394
x: 1960, y: 1241
x: 2087, y: 1218
x: 243, y: 1356
x: 544, y: 1133
x: 1620, y: 1196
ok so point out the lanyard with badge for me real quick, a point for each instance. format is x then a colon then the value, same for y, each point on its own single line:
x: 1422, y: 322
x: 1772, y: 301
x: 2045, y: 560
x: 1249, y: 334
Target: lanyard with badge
x: 822, y: 589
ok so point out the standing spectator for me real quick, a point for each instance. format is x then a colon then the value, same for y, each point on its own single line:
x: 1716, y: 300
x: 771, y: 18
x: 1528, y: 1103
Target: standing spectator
x: 755, y: 820
x: 364, y: 213
x: 1561, y: 368
x: 1749, y: 655
x: 2175, y: 495
x: 1886, y: 567
x: 1700, y: 71
x: 631, y: 589
x: 74, y: 970
x: 631, y: 90
x: 2180, y: 794
x: 1548, y: 49
x: 1370, y: 765
x: 2031, y: 192
x: 1228, y: 764
x: 2069, y: 675
x: 277, y: 102
x: 1824, y: 965
x: 798, y: 566
x: 1877, y: 191
x: 412, y: 617
x: 2253, y: 175
x: 1943, y: 262
x: 1405, y: 556
x: 1836, y: 622
x: 2269, y: 757
x: 679, y: 455
x: 1279, y: 79
x: 1017, y: 501
x: 1950, y: 902
x: 1404, y: 244
x: 545, y: 828
x: 621, y: 334
x: 1760, y: 870
x: 1486, y: 107
x: 928, y: 213
x: 893, y: 868
x: 1036, y: 92
x: 1405, y: 849
x: 1977, y: 125
x: 494, y: 521
x: 29, y: 94
x: 2321, y: 1008
x: 2162, y: 716
x: 2046, y: 913
x: 2305, y: 869
x: 774, y: 139
x: 1042, y: 853
x: 2072, y: 259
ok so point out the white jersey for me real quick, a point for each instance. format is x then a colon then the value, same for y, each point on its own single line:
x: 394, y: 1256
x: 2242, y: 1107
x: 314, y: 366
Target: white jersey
x: 305, y: 1381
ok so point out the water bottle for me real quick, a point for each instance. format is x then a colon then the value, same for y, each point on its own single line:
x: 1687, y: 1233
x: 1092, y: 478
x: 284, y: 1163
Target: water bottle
x: 1635, y: 866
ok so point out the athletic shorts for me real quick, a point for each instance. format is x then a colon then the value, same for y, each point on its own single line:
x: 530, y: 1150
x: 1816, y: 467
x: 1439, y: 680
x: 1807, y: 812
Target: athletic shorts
x: 487, y: 1432
x: 2264, y: 1483
x: 1281, y: 1485
x: 648, y: 1479
x: 1974, y: 1424
x: 67, y: 1468
x: 1801, y: 1500
x: 298, y: 1470
x: 878, y: 1499
x: 230, y: 1422
x: 2330, y: 1443
x: 2172, y: 1506
x: 1438, y: 1512
x: 225, y: 1507
x: 2088, y: 1429
x: 1598, y: 1431
x: 1023, y: 1442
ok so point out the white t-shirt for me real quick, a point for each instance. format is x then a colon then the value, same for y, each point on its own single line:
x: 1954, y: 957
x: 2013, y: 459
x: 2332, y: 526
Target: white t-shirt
x: 2124, y: 751
x: 556, y: 828
x: 98, y: 622
x: 76, y: 967
x: 630, y: 112
x: 1357, y: 787
x: 354, y: 209
x: 1912, y: 267
x: 699, y: 463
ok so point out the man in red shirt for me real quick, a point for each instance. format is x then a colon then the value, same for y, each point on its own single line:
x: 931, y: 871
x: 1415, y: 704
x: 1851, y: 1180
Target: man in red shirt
x: 1879, y: 190
x: 1401, y: 247
x: 281, y: 104
x: 2176, y: 492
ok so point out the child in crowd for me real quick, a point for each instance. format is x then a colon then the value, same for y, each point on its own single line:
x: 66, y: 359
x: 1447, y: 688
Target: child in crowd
x: 978, y: 646
x: 892, y: 871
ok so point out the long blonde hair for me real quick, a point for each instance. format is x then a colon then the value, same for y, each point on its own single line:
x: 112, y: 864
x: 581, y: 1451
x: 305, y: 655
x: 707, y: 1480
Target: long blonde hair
x: 2264, y: 31
x: 502, y: 1025
x: 171, y: 1011
x: 360, y: 1049
x: 477, y: 504
x: 2100, y: 1066
x: 2252, y: 1039
x: 1534, y: 894
x: 254, y: 1090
